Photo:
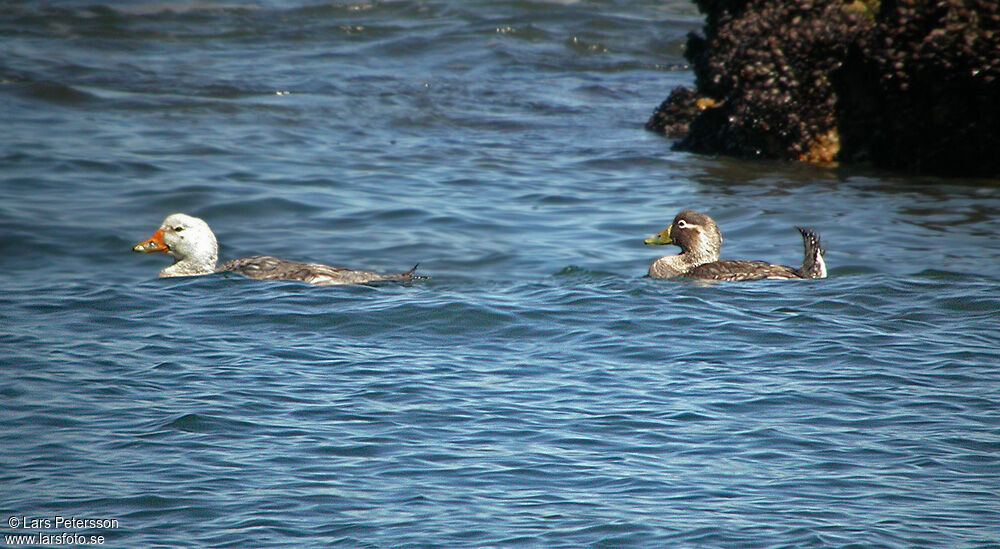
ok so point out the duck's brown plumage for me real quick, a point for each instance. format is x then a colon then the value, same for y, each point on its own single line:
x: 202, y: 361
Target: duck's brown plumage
x: 700, y: 241
x: 741, y: 270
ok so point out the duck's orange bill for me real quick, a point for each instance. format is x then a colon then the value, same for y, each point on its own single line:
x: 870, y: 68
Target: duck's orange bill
x: 155, y: 244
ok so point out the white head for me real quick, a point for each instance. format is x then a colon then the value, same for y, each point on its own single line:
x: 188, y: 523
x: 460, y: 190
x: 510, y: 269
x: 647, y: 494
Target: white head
x: 189, y: 241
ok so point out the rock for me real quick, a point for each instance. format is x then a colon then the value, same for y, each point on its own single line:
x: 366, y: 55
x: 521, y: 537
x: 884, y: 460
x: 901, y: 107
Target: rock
x: 905, y: 84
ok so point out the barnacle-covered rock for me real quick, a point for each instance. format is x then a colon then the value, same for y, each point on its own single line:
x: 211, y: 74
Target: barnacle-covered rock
x: 906, y: 84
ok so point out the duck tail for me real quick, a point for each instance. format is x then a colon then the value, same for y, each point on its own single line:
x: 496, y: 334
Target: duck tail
x: 408, y: 275
x: 813, y: 265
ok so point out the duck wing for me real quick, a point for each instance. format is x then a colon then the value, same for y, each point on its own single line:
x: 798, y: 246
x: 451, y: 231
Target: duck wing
x: 324, y: 275
x: 271, y: 268
x: 735, y: 271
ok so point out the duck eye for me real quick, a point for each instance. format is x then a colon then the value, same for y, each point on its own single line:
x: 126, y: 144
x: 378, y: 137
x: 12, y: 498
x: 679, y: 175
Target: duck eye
x: 681, y: 224
x: 178, y: 229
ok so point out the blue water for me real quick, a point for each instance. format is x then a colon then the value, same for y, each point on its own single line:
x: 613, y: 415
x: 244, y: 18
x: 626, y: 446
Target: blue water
x: 535, y: 390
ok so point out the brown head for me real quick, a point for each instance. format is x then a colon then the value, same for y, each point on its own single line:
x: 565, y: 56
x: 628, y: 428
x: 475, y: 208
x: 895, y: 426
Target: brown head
x: 694, y: 233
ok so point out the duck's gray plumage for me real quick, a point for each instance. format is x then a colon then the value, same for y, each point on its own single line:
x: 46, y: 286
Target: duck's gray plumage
x: 263, y: 267
x: 700, y: 241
